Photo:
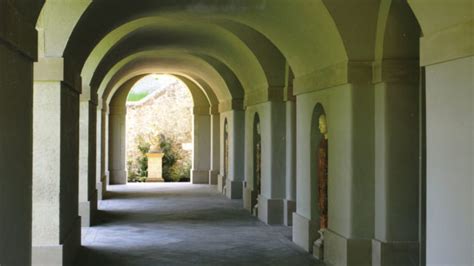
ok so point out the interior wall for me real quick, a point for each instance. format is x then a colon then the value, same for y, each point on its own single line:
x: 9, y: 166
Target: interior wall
x: 264, y: 112
x: 450, y: 157
x: 337, y: 103
x: 338, y: 106
x: 349, y: 112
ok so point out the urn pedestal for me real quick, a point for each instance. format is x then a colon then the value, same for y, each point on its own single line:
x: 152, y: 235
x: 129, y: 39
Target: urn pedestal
x: 155, y: 167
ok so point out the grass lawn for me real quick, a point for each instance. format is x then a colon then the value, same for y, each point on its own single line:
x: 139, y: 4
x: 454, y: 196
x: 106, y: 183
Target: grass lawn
x: 135, y: 97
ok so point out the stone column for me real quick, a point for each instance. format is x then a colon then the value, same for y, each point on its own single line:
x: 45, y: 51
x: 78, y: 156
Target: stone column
x: 397, y: 153
x: 272, y: 125
x: 56, y: 224
x: 98, y: 152
x: 232, y: 184
x: 290, y: 174
x: 104, y: 166
x: 215, y: 147
x: 16, y: 127
x: 202, y: 146
x: 87, y: 164
x: 117, y: 152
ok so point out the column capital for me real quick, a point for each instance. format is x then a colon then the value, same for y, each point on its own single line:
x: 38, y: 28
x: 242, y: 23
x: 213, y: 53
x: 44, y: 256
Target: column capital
x: 341, y: 73
x: 214, y: 110
x: 201, y: 110
x: 396, y: 71
x: 234, y: 104
x: 51, y: 69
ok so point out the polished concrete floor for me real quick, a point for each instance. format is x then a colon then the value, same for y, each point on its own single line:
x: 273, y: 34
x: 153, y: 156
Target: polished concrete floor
x: 183, y: 224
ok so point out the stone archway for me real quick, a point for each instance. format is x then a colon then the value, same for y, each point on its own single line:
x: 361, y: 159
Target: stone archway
x: 201, y: 132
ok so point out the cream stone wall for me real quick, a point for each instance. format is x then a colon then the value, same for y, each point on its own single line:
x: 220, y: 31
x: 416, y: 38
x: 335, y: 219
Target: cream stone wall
x: 167, y: 111
x: 449, y: 189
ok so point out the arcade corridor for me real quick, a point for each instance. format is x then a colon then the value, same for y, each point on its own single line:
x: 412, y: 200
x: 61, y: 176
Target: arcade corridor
x: 345, y: 126
x: 183, y: 224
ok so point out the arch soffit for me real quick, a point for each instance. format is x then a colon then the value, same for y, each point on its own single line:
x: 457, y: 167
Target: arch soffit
x: 304, y: 31
x: 231, y: 78
x: 435, y: 16
x: 200, y: 99
x: 398, y: 32
x: 166, y: 66
x: 119, y: 97
x: 316, y: 34
x: 203, y: 38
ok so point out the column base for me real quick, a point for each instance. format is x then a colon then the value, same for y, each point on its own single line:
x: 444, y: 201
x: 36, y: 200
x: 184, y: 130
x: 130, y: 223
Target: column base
x: 394, y: 253
x: 289, y: 207
x: 199, y: 177
x: 270, y: 211
x: 105, y: 183
x: 118, y: 177
x: 87, y: 212
x: 233, y: 189
x: 339, y: 250
x: 213, y: 177
x: 99, y: 189
x: 318, y: 250
x: 220, y: 183
x: 305, y: 232
x: 59, y: 255
x: 155, y: 180
x: 249, y: 198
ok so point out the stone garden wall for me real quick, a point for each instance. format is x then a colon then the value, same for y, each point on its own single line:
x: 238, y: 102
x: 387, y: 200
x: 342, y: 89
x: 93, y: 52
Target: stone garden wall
x: 167, y: 110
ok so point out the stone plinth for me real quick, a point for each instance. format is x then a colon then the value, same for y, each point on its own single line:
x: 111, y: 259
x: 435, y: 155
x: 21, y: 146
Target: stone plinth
x: 155, y: 167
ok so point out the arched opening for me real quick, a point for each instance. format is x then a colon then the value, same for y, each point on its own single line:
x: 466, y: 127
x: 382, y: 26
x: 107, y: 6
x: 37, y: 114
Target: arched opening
x: 257, y: 163
x: 174, y: 130
x: 159, y: 130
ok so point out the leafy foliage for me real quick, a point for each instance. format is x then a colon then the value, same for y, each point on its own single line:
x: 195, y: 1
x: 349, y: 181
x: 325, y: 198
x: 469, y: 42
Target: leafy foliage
x: 138, y: 169
x: 175, y: 167
x: 135, y: 97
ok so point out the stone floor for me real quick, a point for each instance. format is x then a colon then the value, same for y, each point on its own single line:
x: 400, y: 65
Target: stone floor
x: 183, y: 224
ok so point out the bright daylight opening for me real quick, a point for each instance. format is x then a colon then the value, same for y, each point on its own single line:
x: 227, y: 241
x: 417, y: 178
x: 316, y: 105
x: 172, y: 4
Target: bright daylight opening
x: 159, y: 130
